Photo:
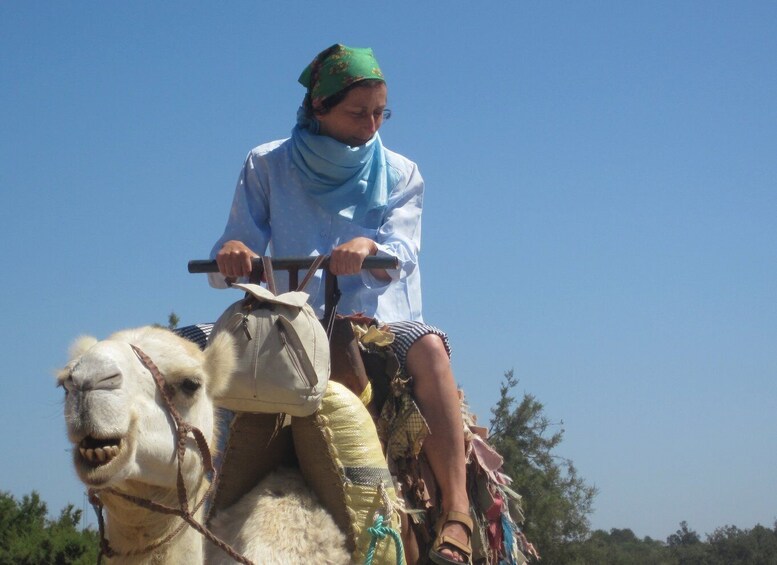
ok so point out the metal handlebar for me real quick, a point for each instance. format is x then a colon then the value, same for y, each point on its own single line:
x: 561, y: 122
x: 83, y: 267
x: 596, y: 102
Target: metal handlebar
x: 292, y: 264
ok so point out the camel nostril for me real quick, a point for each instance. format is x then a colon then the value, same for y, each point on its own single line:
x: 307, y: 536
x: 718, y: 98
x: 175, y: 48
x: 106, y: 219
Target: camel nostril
x: 80, y: 382
x: 109, y: 382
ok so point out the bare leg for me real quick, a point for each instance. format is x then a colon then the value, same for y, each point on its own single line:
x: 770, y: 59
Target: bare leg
x: 437, y: 396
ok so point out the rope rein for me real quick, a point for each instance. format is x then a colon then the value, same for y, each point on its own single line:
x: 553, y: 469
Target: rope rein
x: 182, y: 430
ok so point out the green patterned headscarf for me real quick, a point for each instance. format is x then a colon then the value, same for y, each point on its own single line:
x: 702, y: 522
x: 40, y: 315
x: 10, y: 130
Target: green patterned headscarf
x: 337, y: 67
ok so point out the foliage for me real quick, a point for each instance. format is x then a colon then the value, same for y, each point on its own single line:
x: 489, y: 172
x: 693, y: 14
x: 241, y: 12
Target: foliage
x: 729, y: 544
x: 28, y: 537
x: 725, y: 546
x: 557, y: 501
x: 172, y: 321
x: 619, y: 547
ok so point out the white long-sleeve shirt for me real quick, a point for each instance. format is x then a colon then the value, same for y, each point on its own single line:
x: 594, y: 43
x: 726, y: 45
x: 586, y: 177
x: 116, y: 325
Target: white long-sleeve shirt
x: 271, y: 209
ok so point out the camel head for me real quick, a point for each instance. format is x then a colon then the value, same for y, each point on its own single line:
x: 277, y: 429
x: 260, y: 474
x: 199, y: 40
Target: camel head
x: 116, y: 417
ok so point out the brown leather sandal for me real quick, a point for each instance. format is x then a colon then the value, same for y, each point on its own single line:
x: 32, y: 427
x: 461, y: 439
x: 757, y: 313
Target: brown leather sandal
x: 441, y: 541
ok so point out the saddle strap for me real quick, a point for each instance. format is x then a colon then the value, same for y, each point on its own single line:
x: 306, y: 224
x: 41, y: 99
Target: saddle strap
x: 332, y: 298
x: 311, y: 271
x: 269, y: 274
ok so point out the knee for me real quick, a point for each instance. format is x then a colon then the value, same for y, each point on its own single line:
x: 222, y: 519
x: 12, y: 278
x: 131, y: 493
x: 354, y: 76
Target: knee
x: 427, y: 352
x: 429, y: 345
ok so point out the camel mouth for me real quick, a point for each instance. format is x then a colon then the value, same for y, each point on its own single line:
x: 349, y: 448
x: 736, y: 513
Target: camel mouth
x: 97, y: 452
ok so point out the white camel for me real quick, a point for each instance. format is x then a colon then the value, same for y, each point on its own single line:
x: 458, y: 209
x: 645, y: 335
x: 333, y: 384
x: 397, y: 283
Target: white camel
x: 124, y: 442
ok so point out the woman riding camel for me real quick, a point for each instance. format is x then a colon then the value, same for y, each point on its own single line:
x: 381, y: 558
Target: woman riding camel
x: 333, y: 188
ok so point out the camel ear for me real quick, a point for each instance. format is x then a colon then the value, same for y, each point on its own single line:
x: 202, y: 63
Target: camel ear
x: 80, y: 345
x: 219, y: 362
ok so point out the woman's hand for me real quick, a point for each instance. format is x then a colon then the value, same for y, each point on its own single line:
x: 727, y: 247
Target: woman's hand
x: 234, y: 260
x: 347, y: 259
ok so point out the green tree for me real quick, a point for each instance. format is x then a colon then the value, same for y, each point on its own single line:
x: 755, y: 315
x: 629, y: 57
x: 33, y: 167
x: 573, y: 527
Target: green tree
x: 619, y: 547
x: 683, y: 537
x: 687, y: 548
x: 729, y: 544
x: 28, y: 537
x: 557, y: 501
x: 172, y: 321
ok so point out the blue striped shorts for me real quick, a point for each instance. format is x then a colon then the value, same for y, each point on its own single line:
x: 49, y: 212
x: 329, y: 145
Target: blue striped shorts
x: 407, y: 333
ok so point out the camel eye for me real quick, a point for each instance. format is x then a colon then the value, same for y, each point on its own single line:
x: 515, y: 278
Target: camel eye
x: 66, y: 384
x: 190, y: 386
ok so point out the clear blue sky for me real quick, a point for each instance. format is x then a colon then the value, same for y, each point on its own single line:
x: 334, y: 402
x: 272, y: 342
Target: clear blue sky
x: 601, y: 212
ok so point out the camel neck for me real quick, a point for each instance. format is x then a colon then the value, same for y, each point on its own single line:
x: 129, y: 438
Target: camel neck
x: 130, y: 527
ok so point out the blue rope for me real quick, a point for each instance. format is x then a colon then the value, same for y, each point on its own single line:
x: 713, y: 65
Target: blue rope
x: 378, y: 532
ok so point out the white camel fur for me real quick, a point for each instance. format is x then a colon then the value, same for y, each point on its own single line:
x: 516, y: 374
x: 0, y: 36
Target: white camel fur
x: 123, y: 439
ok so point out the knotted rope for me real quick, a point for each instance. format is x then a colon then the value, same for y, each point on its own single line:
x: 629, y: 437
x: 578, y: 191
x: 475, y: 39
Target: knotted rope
x: 379, y: 531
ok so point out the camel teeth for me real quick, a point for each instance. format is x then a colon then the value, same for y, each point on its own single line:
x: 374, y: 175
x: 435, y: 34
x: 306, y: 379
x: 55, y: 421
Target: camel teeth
x: 99, y: 455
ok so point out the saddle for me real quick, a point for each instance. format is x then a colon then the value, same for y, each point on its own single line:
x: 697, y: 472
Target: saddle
x: 361, y: 453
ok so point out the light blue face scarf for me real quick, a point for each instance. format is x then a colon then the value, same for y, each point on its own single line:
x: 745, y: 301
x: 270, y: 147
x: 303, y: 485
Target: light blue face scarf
x: 352, y: 182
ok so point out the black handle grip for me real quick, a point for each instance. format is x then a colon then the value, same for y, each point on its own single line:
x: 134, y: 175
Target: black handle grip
x: 293, y: 263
